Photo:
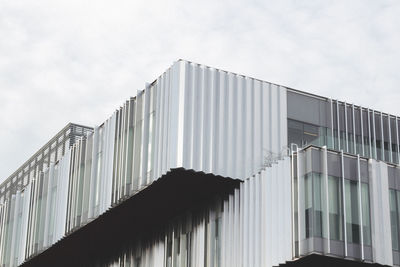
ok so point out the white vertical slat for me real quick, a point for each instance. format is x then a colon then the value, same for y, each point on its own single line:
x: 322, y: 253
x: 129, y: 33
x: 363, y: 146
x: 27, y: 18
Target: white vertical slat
x: 300, y: 199
x: 94, y: 182
x: 3, y: 230
x: 360, y: 207
x: 280, y: 205
x: 117, y: 157
x: 207, y: 120
x: 390, y: 140
x: 236, y: 225
x: 380, y: 213
x: 179, y: 93
x: 109, y: 162
x: 266, y: 123
x: 338, y: 123
x: 13, y: 240
x: 257, y: 221
x: 245, y: 215
x: 289, y: 210
x: 369, y: 134
x: 24, y: 224
x: 346, y: 127
x: 382, y: 138
x: 157, y: 145
x: 282, y: 120
x: 224, y: 125
x: 374, y: 130
x: 354, y: 129
x: 269, y: 219
x: 326, y: 226
x: 48, y: 214
x: 275, y: 214
x: 274, y: 123
x: 186, y: 81
x: 344, y: 204
x: 362, y: 132
x: 332, y: 133
x: 145, y: 136
x: 166, y: 126
x: 215, y: 115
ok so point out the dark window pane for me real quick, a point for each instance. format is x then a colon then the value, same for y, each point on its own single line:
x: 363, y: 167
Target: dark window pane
x: 394, y: 219
x: 352, y: 212
x: 335, y: 208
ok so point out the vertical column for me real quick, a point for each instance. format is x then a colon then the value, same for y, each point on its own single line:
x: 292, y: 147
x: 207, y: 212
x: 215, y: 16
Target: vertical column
x: 325, y: 176
x: 380, y: 213
x: 338, y: 124
x: 370, y: 136
x: 344, y: 203
x: 382, y: 139
x: 362, y: 131
x: 360, y: 207
x: 176, y: 117
x: 293, y: 199
x: 390, y: 140
x: 346, y: 127
x: 298, y: 202
x: 354, y: 130
x: 332, y: 133
x: 374, y: 129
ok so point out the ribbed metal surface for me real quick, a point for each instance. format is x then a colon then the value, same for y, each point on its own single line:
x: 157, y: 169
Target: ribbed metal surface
x: 380, y: 213
x: 13, y: 228
x: 228, y: 124
x: 257, y: 229
x: 194, y: 117
x: 251, y: 227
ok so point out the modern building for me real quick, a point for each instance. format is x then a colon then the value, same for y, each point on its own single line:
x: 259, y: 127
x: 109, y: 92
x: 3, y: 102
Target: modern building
x: 209, y: 168
x: 51, y: 152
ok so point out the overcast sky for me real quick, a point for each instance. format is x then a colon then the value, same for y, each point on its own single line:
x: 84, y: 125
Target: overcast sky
x: 77, y: 61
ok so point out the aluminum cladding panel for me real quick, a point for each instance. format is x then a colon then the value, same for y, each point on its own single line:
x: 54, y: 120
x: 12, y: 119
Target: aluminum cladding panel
x: 224, y: 123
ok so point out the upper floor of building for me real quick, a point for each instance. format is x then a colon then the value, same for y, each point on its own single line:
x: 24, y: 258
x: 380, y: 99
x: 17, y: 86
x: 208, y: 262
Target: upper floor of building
x: 51, y: 152
x: 206, y: 120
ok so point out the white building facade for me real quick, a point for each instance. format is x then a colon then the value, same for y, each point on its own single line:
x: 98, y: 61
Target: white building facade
x: 311, y: 174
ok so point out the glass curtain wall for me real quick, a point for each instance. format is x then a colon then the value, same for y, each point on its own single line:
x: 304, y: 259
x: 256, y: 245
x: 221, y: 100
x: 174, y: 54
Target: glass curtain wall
x: 348, y: 207
x: 342, y: 126
x: 314, y: 209
x: 134, y: 145
x: 304, y: 134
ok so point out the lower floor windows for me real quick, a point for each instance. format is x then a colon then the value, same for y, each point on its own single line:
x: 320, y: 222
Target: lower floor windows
x: 343, y: 209
x: 394, y: 201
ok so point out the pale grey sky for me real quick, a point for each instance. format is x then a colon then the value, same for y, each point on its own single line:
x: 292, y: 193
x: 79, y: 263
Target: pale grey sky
x: 77, y: 61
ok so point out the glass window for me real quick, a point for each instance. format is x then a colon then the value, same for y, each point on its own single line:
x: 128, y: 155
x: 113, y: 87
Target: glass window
x: 394, y: 201
x: 317, y: 189
x: 352, y: 212
x: 304, y: 134
x: 394, y: 222
x: 386, y: 140
x: 365, y: 214
x: 308, y: 203
x: 295, y: 132
x: 335, y: 208
x: 378, y: 136
x: 313, y: 186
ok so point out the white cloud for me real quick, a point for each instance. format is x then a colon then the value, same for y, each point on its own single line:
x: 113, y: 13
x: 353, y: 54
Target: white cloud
x: 77, y: 61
